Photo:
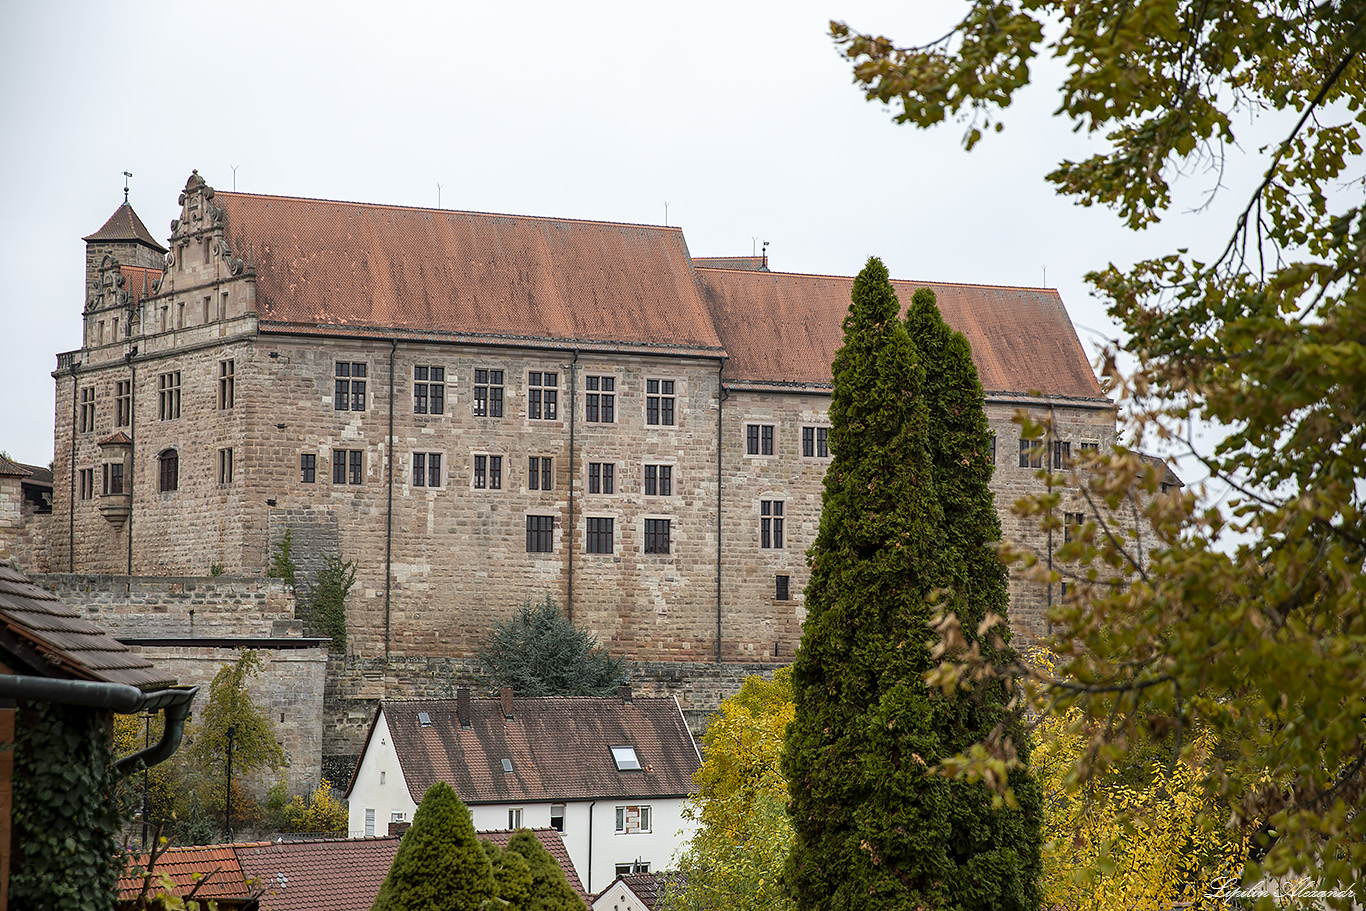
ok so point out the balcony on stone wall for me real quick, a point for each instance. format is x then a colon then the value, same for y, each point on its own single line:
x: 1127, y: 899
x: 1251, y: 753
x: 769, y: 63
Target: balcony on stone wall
x: 116, y: 507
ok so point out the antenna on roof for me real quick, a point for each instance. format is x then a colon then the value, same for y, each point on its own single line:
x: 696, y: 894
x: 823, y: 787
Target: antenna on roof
x: 753, y: 243
x: 234, y: 176
x: 1045, y: 276
x: 126, y: 175
x: 438, y: 195
x: 666, y: 213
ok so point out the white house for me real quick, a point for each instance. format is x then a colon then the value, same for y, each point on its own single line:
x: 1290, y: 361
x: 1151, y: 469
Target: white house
x: 637, y: 892
x: 611, y: 774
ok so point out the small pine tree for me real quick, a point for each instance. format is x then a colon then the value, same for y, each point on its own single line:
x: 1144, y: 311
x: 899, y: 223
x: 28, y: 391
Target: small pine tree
x: 900, y: 522
x: 440, y: 865
x: 539, y: 652
x: 511, y: 874
x: 550, y: 890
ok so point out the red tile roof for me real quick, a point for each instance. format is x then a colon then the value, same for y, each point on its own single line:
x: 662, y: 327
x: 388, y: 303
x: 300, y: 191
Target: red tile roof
x: 345, y: 875
x: 786, y: 327
x: 11, y: 469
x: 559, y: 747
x: 46, y: 635
x: 650, y: 887
x: 499, y: 277
x: 124, y: 224
x: 215, y: 866
x: 140, y: 280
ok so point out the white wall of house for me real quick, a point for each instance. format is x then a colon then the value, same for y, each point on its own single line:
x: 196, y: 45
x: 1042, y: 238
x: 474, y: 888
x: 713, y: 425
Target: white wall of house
x: 669, y: 832
x: 380, y: 791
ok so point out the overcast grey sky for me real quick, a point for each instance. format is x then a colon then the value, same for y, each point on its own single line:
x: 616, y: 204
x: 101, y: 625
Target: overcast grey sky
x: 741, y: 115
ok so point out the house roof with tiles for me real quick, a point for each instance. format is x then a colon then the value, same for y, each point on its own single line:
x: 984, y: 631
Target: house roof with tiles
x: 649, y: 888
x: 342, y: 266
x: 783, y: 329
x: 45, y: 636
x: 124, y: 224
x: 214, y: 869
x: 541, y: 748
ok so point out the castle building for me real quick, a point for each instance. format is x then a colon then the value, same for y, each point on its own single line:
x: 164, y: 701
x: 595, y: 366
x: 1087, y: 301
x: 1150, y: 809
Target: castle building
x: 482, y: 410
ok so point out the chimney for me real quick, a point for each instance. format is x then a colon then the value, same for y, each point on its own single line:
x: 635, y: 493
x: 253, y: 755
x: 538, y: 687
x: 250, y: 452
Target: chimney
x: 506, y: 694
x: 624, y: 691
x: 462, y: 707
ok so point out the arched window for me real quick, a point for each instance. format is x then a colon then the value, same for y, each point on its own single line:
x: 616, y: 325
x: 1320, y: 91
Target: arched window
x: 170, y: 470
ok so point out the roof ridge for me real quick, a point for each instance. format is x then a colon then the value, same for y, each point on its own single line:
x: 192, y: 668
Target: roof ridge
x: 926, y: 281
x: 388, y: 205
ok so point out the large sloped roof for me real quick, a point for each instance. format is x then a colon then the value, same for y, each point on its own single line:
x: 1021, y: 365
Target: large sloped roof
x: 213, y: 868
x: 787, y: 327
x: 559, y: 747
x: 124, y: 224
x: 360, y: 266
x: 43, y: 635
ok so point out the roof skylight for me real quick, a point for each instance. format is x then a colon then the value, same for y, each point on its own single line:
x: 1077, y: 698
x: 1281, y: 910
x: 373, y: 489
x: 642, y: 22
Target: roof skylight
x: 507, y: 765
x: 424, y: 719
x: 625, y: 758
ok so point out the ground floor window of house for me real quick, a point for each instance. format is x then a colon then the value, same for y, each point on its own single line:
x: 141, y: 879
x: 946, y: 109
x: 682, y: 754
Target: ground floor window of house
x: 515, y: 818
x: 369, y: 822
x: 557, y: 817
x: 633, y: 819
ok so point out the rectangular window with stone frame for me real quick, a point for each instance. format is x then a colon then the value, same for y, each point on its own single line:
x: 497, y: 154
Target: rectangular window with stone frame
x: 488, y: 393
x: 87, y: 483
x: 659, y: 402
x: 225, y: 466
x: 540, y: 473
x: 429, y: 390
x: 87, y: 421
x: 771, y: 524
x: 488, y: 472
x: 227, y: 381
x: 759, y: 439
x: 540, y: 534
x: 348, y: 466
x: 1031, y: 452
x: 123, y: 403
x: 602, y: 477
x: 657, y: 536
x: 308, y: 467
x: 168, y: 396
x: 600, y: 399
x: 599, y: 538
x: 659, y: 480
x: 113, y: 479
x: 815, y: 443
x: 348, y: 388
x: 426, y: 469
x: 542, y: 395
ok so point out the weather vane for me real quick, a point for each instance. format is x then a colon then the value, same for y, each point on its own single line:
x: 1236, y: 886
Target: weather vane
x: 126, y: 175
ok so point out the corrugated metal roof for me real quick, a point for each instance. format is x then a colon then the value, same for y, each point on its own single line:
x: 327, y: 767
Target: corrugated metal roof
x: 51, y: 639
x: 783, y: 326
x: 559, y: 747
x: 351, y: 265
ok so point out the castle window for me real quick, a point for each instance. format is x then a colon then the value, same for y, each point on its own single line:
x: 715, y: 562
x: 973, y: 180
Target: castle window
x: 992, y: 450
x: 657, y: 536
x: 348, y: 391
x: 123, y: 400
x: 168, y: 471
x: 87, y: 483
x: 429, y: 390
x: 426, y: 469
x: 600, y: 401
x: 599, y: 536
x: 225, y: 466
x: 168, y: 396
x: 1090, y: 447
x: 113, y: 479
x: 488, y: 472
x: 540, y: 473
x: 771, y: 524
x: 226, y: 383
x: 542, y: 396
x: 308, y: 468
x: 659, y: 480
x: 659, y: 402
x: 815, y: 443
x: 782, y: 588
x: 1031, y: 453
x: 223, y: 305
x: 180, y: 315
x: 488, y: 393
x: 87, y: 409
x: 116, y: 329
x: 1071, y: 526
x: 1062, y: 454
x: 540, y: 534
x: 759, y: 439
x: 344, y: 459
x: 602, y: 477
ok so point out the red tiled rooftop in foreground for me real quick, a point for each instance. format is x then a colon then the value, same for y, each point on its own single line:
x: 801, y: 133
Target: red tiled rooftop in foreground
x: 215, y: 866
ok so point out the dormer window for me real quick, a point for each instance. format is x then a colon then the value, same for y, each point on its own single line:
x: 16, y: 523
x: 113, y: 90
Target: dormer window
x: 625, y: 758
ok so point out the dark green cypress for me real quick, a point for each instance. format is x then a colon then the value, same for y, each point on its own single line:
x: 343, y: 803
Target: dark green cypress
x: 440, y: 865
x: 901, y: 519
x: 550, y: 890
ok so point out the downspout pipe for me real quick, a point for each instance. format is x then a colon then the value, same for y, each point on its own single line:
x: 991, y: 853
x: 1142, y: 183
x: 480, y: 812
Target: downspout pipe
x: 389, y: 510
x: 573, y: 480
x: 589, y: 887
x: 720, y: 439
x: 175, y: 702
x: 132, y: 453
x: 71, y: 501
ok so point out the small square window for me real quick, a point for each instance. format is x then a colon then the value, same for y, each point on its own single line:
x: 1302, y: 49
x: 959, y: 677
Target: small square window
x: 427, y: 469
x: 540, y: 473
x: 602, y: 477
x: 659, y: 480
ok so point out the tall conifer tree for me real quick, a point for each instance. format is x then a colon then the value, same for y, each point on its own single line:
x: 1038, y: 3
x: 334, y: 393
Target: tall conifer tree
x: 440, y: 865
x: 902, y: 518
